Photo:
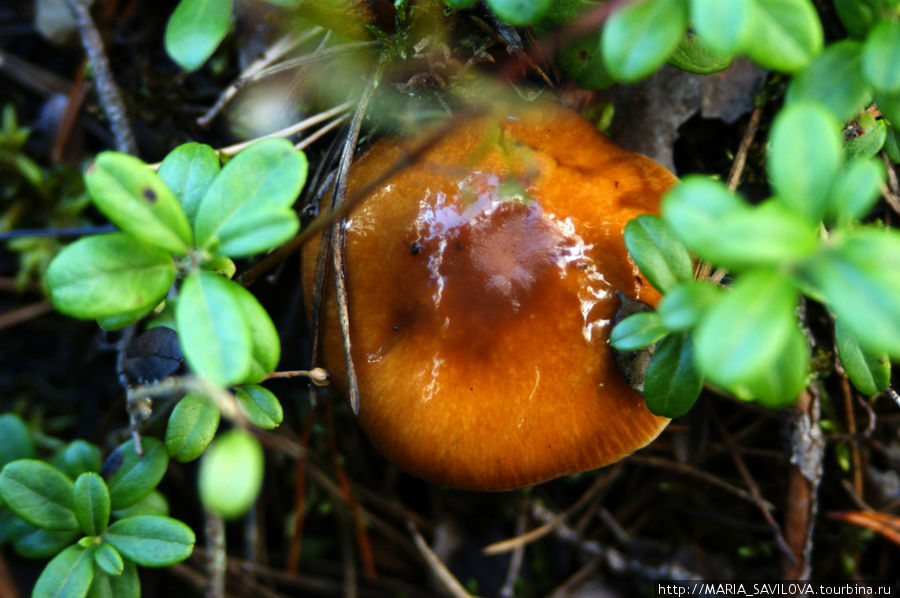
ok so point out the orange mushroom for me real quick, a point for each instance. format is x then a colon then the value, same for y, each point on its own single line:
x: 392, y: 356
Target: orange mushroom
x: 481, y: 287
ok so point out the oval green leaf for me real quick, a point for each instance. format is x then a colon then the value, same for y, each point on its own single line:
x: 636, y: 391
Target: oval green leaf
x: 107, y: 275
x: 662, y: 258
x: 804, y: 157
x: 266, y: 346
x: 137, y: 200
x: 673, y: 381
x: 745, y: 331
x: 786, y: 34
x: 69, y: 574
x: 694, y: 56
x: 17, y: 442
x: 859, y: 278
x: 151, y: 540
x: 583, y: 61
x: 855, y: 190
x: 869, y: 372
x: 835, y: 79
x: 78, y: 457
x: 880, y: 65
x: 212, y: 329
x: 231, y: 473
x: 779, y: 383
x: 252, y: 193
x: 637, y: 331
x: 722, y: 24
x: 108, y: 559
x: 130, y: 477
x: 639, y: 36
x: 260, y: 406
x: 192, y: 426
x: 36, y: 543
x: 188, y: 171
x: 125, y: 585
x: 695, y: 208
x: 91, y: 503
x: 684, y: 306
x: 195, y: 30
x: 858, y: 17
x: 519, y: 12
x: 152, y: 504
x: 38, y: 493
x: 868, y: 144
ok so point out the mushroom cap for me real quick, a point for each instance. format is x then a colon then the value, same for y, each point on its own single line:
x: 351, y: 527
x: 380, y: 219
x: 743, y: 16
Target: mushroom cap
x: 481, y: 291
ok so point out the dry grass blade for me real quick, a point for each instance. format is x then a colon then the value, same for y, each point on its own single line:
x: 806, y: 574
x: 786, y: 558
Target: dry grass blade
x: 438, y: 568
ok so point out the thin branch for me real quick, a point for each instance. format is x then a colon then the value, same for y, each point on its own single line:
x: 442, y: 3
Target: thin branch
x: 438, y: 568
x: 24, y: 314
x: 107, y: 90
x: 214, y: 532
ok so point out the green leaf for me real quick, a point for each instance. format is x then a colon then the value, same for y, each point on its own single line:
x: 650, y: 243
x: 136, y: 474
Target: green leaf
x: 855, y: 190
x: 195, y: 30
x: 724, y: 25
x: 892, y: 144
x: 673, y: 381
x: 639, y: 36
x: 38, y: 493
x: 152, y: 504
x: 889, y: 104
x: 255, y: 189
x: 214, y: 335
x: 869, y: 372
x: 637, y: 331
x: 68, y: 575
x: 684, y: 306
x: 266, y: 346
x: 78, y: 457
x: 692, y: 55
x: 785, y: 35
x: 137, y: 200
x: 231, y: 473
x: 695, y: 208
x: 868, y: 144
x: 583, y: 61
x: 191, y: 427
x: 188, y: 171
x: 36, y: 543
x: 151, y: 540
x: 880, y: 65
x: 804, y: 157
x: 779, y: 383
x: 519, y: 12
x: 859, y: 276
x: 662, y: 258
x: 91, y: 503
x: 767, y: 234
x: 124, y: 319
x: 745, y: 331
x: 221, y: 265
x: 17, y: 442
x: 107, y: 275
x: 130, y: 477
x: 108, y: 559
x: 857, y: 17
x: 835, y: 79
x: 260, y: 406
x: 126, y: 585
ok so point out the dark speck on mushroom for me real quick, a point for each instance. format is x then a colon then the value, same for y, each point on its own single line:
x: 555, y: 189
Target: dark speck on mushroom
x: 415, y: 248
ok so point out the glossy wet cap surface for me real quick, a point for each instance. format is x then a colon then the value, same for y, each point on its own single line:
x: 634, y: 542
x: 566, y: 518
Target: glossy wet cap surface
x: 481, y: 287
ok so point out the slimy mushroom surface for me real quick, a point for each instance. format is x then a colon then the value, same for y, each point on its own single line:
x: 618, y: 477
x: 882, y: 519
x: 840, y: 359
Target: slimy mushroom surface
x: 481, y: 285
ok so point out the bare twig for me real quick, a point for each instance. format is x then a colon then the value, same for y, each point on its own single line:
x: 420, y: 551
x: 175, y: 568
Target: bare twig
x: 273, y: 53
x: 807, y: 455
x: 891, y: 191
x: 740, y: 159
x: 515, y: 562
x: 751, y: 484
x: 438, y: 568
x: 23, y: 314
x: 107, y: 90
x: 214, y: 532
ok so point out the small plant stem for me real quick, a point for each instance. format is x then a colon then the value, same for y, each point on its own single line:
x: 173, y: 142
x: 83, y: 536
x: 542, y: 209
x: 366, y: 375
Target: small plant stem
x: 515, y: 562
x: 214, y: 532
x: 740, y: 159
x: 807, y: 455
x: 107, y: 90
x: 76, y: 97
x: 855, y: 457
